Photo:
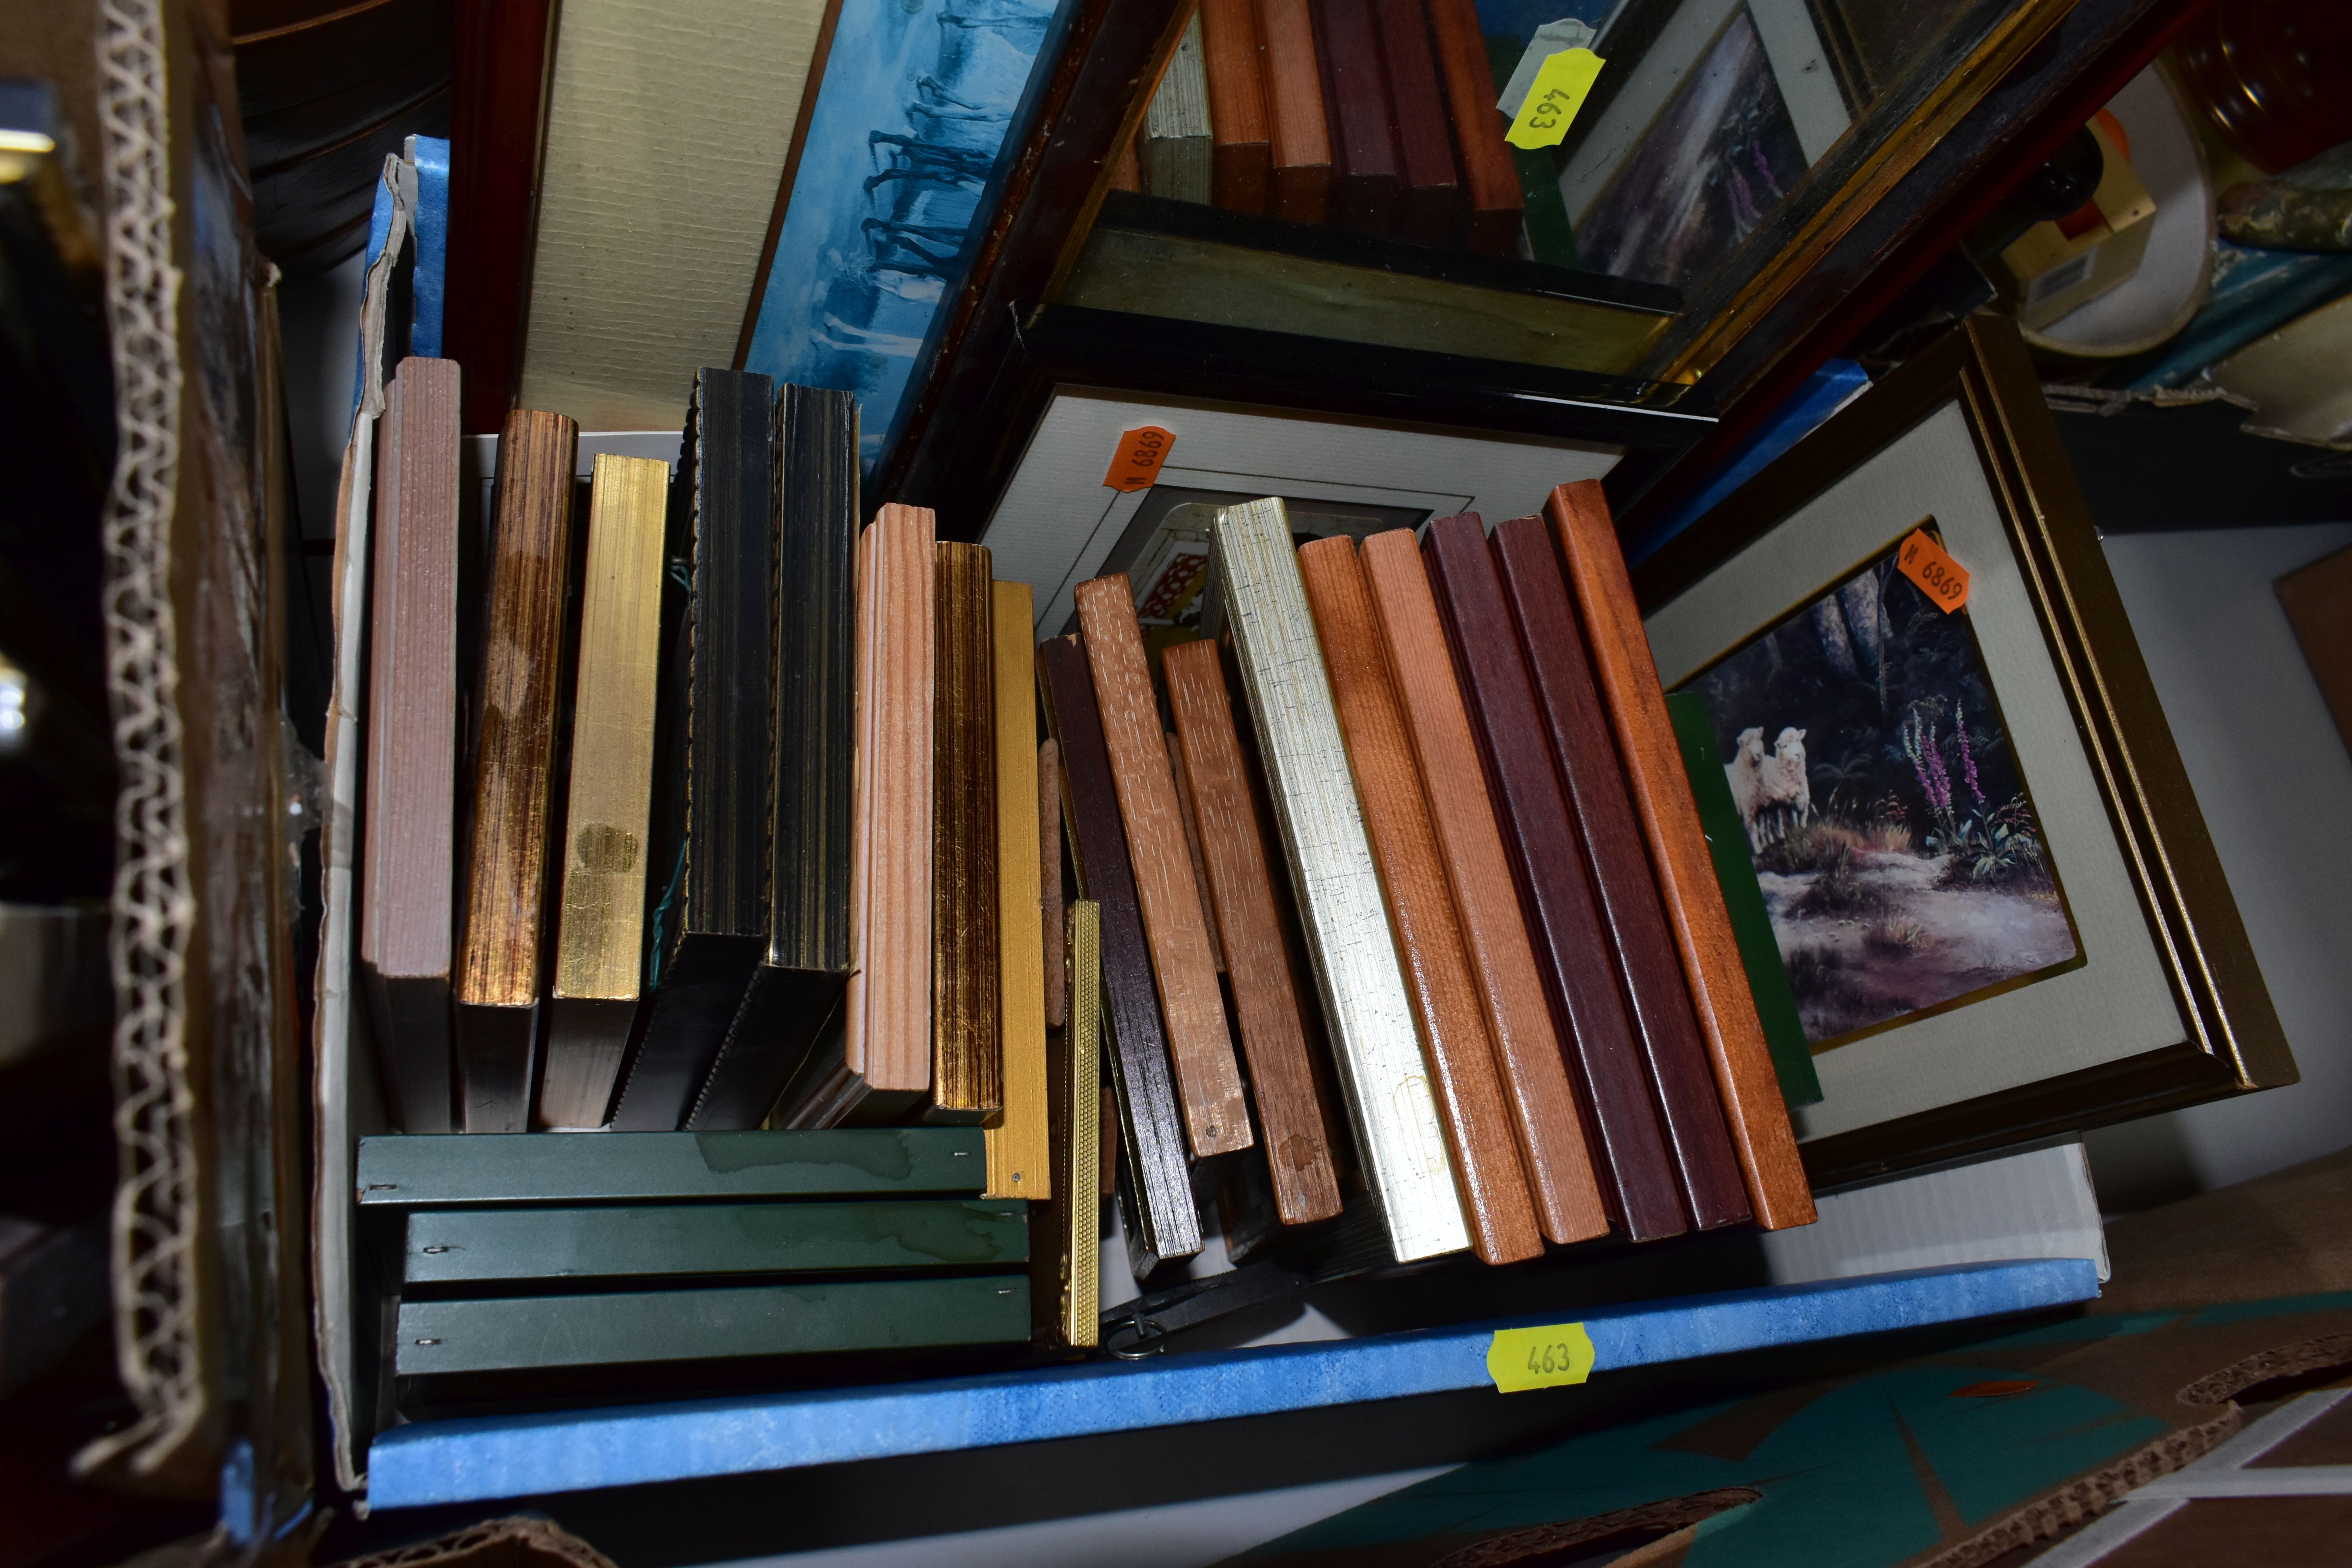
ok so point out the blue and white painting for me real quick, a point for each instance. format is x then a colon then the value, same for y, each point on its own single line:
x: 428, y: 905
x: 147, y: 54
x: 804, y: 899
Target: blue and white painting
x: 890, y: 195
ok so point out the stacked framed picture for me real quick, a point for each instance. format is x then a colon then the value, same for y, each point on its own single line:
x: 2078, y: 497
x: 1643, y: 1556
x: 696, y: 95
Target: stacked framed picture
x: 1741, y: 186
x: 1056, y: 523
x: 1993, y: 896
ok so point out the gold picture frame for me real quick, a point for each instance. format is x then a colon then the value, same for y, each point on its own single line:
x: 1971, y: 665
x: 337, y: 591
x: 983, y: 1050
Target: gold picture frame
x: 2167, y: 1007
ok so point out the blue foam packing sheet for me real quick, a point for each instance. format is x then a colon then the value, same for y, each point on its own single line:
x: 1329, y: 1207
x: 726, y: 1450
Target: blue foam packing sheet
x: 430, y: 286
x: 477, y: 1458
x: 1823, y: 394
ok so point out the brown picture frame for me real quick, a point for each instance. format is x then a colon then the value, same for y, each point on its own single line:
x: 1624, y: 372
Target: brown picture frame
x: 1874, y: 218
x: 2230, y: 1040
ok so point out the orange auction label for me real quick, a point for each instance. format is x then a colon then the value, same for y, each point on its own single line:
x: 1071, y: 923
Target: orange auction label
x: 1136, y: 465
x: 1941, y: 578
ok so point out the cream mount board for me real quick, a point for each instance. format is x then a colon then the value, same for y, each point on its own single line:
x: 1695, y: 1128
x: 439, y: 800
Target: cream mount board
x: 2115, y: 1004
x: 1058, y: 522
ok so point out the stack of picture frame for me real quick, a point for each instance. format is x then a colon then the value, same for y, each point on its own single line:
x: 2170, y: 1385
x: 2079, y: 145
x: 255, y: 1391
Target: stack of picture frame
x: 2094, y: 970
x: 1075, y: 282
x: 2133, y: 989
x: 513, y: 1263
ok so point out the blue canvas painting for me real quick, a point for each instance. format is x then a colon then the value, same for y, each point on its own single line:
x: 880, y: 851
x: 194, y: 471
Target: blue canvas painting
x: 889, y: 198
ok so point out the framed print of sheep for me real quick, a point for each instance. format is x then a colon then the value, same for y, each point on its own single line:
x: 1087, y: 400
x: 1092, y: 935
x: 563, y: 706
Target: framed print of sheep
x: 1893, y: 838
x: 1992, y: 894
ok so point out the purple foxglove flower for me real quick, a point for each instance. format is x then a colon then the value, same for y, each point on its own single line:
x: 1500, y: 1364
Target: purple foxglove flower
x: 1968, y: 756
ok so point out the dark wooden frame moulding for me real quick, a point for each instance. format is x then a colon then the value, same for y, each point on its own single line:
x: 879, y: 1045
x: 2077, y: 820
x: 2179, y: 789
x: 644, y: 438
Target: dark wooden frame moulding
x: 1140, y: 214
x: 1002, y: 347
x: 503, y: 76
x: 2231, y: 1039
x: 2088, y: 55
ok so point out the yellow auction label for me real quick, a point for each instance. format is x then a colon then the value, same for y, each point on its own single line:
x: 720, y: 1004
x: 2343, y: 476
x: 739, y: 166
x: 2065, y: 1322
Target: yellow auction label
x: 1551, y: 103
x: 1549, y: 1357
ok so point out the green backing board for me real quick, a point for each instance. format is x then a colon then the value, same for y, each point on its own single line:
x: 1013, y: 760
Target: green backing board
x: 451, y: 1246
x: 579, y: 1167
x: 1550, y: 235
x: 1759, y: 950
x: 509, y: 1334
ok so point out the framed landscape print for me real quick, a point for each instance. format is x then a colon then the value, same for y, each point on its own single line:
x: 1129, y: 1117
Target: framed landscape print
x: 1918, y: 877
x: 1994, y: 899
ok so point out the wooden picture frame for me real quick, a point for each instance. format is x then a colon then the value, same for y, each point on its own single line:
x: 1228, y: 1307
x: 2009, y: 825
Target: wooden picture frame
x: 1867, y: 273
x: 1981, y: 41
x: 1931, y: 144
x: 2164, y: 1004
x: 1917, y: 169
x: 967, y: 471
x: 1055, y: 523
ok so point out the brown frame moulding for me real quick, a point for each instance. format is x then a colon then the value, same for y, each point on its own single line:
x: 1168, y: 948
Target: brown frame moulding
x: 502, y: 77
x: 2231, y: 1041
x: 1002, y: 346
x: 1884, y: 211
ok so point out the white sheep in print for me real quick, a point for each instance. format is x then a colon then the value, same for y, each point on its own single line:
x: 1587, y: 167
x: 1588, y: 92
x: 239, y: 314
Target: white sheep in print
x: 1773, y: 791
